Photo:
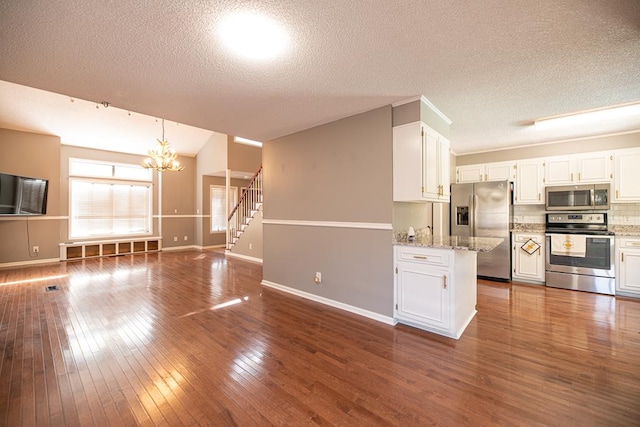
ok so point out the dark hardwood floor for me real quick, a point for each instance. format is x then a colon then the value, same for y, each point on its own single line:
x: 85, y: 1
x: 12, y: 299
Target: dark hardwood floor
x: 192, y: 338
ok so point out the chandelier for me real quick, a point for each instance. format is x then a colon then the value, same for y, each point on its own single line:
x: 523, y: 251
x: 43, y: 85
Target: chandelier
x: 162, y: 158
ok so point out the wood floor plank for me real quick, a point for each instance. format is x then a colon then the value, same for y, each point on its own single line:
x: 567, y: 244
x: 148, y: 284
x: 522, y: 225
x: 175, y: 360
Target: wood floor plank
x: 191, y: 338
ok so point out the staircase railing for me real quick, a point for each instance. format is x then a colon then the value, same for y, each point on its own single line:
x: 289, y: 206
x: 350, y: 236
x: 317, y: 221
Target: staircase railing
x: 244, y: 210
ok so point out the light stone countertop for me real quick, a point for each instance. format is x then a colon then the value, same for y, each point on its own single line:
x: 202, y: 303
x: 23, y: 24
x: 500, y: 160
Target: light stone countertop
x: 478, y: 244
x: 619, y: 230
x: 518, y: 227
x: 625, y: 230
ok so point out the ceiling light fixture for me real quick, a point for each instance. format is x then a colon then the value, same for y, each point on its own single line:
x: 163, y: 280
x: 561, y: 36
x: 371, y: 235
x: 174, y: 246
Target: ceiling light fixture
x: 253, y: 36
x: 162, y: 159
x: 580, y: 118
x: 246, y: 141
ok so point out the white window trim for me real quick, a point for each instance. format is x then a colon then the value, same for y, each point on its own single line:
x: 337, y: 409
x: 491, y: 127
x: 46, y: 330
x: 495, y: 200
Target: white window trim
x: 119, y: 181
x: 231, y: 190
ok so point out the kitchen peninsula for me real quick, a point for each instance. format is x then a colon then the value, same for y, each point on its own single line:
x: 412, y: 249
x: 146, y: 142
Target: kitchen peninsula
x: 435, y: 281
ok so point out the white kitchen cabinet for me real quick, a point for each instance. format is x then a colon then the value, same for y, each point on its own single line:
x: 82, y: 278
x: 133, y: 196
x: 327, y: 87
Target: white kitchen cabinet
x: 529, y: 183
x: 499, y: 171
x: 469, y: 173
x: 528, y: 257
x: 496, y: 171
x: 559, y: 170
x: 628, y: 266
x: 421, y: 164
x: 627, y: 176
x: 595, y: 167
x: 578, y: 169
x: 435, y: 289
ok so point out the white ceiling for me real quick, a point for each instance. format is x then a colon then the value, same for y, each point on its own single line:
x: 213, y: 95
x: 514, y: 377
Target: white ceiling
x: 492, y: 67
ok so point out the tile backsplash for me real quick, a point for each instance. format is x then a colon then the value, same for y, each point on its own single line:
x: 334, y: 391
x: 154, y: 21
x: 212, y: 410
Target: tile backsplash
x: 625, y: 214
x: 619, y: 214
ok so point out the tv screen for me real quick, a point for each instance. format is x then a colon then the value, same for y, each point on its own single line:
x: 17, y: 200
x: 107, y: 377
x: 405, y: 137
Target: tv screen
x: 21, y: 195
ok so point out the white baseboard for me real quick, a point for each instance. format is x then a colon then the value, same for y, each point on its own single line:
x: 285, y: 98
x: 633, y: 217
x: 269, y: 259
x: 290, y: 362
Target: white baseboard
x: 336, y: 304
x: 244, y: 257
x: 29, y: 262
x: 212, y: 247
x: 179, y: 248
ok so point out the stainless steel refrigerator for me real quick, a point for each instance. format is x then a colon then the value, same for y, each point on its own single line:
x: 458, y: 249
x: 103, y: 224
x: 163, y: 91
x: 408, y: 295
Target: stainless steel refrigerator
x: 483, y: 209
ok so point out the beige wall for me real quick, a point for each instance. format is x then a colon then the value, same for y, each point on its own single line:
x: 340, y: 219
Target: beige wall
x: 179, y: 205
x: 209, y: 238
x: 419, y: 111
x: 37, y: 156
x: 243, y: 157
x: 554, y: 149
x: 341, y: 171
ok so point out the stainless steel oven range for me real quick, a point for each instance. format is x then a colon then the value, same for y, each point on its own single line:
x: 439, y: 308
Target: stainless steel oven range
x: 580, y: 252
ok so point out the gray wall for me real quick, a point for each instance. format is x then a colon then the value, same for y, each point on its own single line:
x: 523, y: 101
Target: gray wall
x: 555, y: 149
x: 341, y: 171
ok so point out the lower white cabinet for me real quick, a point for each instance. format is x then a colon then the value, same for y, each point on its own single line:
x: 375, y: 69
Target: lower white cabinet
x: 528, y: 257
x: 628, y: 266
x: 435, y: 289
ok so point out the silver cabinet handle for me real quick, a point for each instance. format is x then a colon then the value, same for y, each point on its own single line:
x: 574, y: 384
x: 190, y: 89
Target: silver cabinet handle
x: 419, y: 257
x: 444, y: 281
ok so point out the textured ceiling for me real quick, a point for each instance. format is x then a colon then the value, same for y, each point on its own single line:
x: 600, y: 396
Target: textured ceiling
x: 492, y: 67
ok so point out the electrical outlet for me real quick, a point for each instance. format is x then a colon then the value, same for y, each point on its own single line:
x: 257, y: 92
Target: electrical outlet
x: 36, y: 249
x: 186, y: 238
x: 318, y: 278
x: 175, y: 211
x: 175, y: 238
x: 250, y: 246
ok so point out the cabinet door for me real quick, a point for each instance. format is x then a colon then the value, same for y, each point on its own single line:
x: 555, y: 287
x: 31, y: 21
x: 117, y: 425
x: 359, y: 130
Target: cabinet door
x: 627, y: 177
x: 431, y: 179
x: 423, y: 294
x: 528, y: 266
x: 407, y: 162
x: 629, y: 274
x: 529, y: 185
x: 559, y: 170
x: 595, y: 167
x: 469, y: 173
x: 499, y: 171
x: 445, y: 170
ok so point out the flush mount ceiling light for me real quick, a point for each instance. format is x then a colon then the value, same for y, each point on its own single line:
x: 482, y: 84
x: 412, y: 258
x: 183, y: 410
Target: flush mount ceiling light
x: 162, y: 158
x: 607, y: 114
x: 253, y: 36
x: 246, y: 141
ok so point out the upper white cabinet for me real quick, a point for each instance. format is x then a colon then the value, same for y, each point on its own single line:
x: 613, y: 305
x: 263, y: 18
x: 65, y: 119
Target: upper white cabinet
x: 421, y: 164
x: 578, y: 169
x: 496, y: 171
x: 595, y: 167
x: 529, y: 184
x: 627, y: 176
x: 559, y: 170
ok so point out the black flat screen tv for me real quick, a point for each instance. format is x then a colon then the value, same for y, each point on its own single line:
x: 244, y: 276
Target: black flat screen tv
x: 22, y: 195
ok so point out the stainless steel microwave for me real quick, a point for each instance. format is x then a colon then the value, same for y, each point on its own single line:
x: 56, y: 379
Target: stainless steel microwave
x: 578, y: 197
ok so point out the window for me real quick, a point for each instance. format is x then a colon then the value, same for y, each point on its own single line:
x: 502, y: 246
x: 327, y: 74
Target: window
x: 218, y: 208
x: 109, y: 199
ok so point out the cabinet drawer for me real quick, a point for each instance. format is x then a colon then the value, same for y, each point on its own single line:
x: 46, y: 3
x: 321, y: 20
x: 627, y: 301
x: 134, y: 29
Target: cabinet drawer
x: 521, y: 238
x: 424, y: 256
x: 629, y: 243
